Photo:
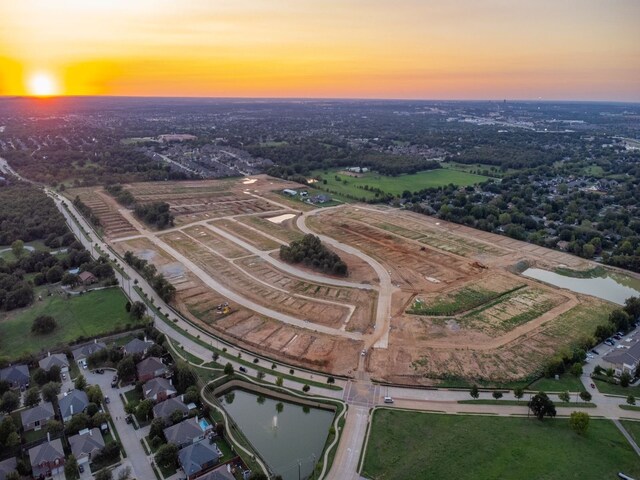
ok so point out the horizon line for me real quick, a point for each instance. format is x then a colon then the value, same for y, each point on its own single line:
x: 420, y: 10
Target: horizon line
x: 378, y: 99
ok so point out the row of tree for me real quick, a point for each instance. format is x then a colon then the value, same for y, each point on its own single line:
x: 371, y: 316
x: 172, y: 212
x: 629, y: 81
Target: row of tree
x: 160, y: 284
x: 311, y: 252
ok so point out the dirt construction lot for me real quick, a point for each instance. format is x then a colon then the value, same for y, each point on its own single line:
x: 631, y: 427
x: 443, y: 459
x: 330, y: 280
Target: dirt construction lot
x: 447, y: 300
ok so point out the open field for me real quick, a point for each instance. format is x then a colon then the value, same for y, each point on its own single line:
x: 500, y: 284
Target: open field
x: 112, y: 223
x: 633, y: 427
x: 422, y: 445
x: 87, y: 315
x: 353, y: 184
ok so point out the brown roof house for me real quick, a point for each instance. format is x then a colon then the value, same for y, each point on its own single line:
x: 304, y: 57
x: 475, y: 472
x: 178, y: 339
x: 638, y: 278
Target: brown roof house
x: 37, y: 417
x: 151, y: 367
x: 47, y: 459
x: 87, y: 278
x: 86, y: 444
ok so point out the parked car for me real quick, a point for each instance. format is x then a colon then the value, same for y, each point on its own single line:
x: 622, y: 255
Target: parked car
x: 128, y: 419
x: 81, y: 468
x: 388, y: 400
x: 242, y: 369
x: 595, y: 352
x: 99, y: 370
x: 107, y: 399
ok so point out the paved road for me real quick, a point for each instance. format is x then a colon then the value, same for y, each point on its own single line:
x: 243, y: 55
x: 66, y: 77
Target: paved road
x: 345, y: 463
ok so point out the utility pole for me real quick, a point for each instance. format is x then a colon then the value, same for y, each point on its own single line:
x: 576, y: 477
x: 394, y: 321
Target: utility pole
x: 299, y: 477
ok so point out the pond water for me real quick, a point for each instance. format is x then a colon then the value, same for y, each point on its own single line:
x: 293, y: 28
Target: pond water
x: 285, y: 434
x: 613, y: 287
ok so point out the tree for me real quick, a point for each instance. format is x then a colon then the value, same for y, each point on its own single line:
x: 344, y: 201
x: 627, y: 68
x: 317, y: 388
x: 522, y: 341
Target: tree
x: 126, y: 368
x: 625, y: 379
x: 50, y: 391
x: 78, y: 422
x: 9, y: 402
x: 279, y: 381
x: 191, y: 395
x: 144, y: 409
x: 80, y: 382
x: 564, y: 396
x: 125, y: 473
x: 99, y: 419
x: 157, y: 428
x: 138, y: 310
x: 32, y: 397
x: 474, y: 392
x: 585, y: 396
x: 167, y: 455
x: 43, y: 325
x: 103, y: 474
x: 54, y: 428
x: 54, y: 274
x: 7, y: 427
x: 576, y: 369
x: 94, y: 394
x: 183, y: 376
x: 496, y: 395
x: 542, y: 406
x: 12, y: 440
x: 305, y: 388
x: 579, y: 422
x: 518, y: 392
x: 228, y: 369
x: 71, y: 467
x: 13, y: 475
x: 631, y: 400
x: 40, y: 376
x: 17, y: 247
x: 69, y: 279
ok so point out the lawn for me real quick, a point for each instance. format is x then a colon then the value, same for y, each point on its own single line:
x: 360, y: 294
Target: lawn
x: 611, y: 389
x: 394, y: 185
x: 87, y: 315
x: 633, y: 428
x: 422, y: 445
x: 566, y: 383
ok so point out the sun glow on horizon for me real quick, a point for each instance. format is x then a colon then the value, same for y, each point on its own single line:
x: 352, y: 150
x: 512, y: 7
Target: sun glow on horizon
x: 42, y: 84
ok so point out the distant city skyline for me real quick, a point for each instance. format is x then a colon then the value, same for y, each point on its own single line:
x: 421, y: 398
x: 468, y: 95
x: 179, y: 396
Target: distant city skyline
x: 405, y: 49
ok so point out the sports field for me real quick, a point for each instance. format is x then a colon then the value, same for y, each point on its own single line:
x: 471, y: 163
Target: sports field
x: 86, y: 315
x: 355, y: 183
x: 423, y: 445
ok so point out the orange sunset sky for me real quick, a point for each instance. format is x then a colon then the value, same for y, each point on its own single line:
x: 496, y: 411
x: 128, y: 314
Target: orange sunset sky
x: 432, y: 49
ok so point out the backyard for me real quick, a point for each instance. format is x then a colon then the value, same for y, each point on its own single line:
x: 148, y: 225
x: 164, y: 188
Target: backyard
x: 422, y: 445
x: 81, y: 316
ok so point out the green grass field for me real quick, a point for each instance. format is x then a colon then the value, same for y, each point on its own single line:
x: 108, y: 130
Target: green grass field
x: 567, y: 382
x: 86, y: 315
x: 393, y: 185
x: 633, y: 427
x: 612, y: 389
x: 406, y: 445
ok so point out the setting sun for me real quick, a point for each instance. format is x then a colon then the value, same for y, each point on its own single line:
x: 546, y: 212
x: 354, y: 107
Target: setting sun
x: 42, y: 85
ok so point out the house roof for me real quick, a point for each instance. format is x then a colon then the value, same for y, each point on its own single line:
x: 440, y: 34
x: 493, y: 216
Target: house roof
x: 88, y: 349
x: 630, y: 356
x: 15, y: 374
x: 59, y: 359
x: 46, y: 452
x: 166, y: 408
x: 7, y: 466
x: 150, y: 365
x: 157, y: 385
x: 73, y: 402
x: 195, y: 457
x: 84, y: 276
x: 137, y: 346
x: 86, y: 442
x: 183, y: 432
x: 40, y: 412
x: 219, y: 473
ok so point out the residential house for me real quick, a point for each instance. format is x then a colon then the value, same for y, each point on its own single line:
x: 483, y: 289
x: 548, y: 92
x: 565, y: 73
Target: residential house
x: 198, y: 458
x: 158, y: 389
x: 8, y: 466
x: 187, y: 432
x: 322, y: 198
x: 86, y: 444
x: 17, y: 376
x: 72, y: 403
x: 37, y: 417
x: 623, y: 359
x: 87, y: 278
x: 151, y: 367
x: 137, y: 347
x: 57, y: 359
x: 166, y: 408
x: 220, y: 473
x: 81, y: 354
x: 47, y: 459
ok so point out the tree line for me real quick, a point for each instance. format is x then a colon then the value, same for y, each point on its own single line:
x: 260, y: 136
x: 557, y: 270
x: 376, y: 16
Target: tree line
x: 161, y: 285
x: 311, y: 252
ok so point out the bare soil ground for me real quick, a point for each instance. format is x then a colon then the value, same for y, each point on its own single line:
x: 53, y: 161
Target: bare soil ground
x: 506, y: 336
